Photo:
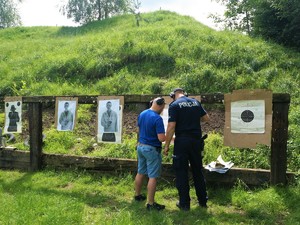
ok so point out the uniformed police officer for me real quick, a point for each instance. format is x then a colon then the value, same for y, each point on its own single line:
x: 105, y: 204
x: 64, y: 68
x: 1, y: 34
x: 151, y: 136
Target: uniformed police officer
x: 185, y: 115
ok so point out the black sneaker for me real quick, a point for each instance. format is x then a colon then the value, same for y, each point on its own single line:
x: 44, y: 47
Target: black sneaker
x: 140, y: 198
x: 155, y: 206
x: 183, y: 207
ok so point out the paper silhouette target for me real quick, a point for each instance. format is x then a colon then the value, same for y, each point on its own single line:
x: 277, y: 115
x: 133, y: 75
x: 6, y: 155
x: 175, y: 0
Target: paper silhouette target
x: 13, y: 115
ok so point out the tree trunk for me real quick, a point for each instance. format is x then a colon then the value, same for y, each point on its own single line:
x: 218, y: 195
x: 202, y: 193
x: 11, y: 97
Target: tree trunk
x: 99, y: 10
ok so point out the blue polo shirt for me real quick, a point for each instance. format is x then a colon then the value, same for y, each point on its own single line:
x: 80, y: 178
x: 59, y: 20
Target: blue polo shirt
x: 150, y: 124
x: 186, y: 112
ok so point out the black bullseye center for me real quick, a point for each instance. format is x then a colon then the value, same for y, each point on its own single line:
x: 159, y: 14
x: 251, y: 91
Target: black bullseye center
x: 247, y: 116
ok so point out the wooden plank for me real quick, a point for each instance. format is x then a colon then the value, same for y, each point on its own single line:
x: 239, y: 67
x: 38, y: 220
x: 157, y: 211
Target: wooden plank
x: 36, y: 135
x: 14, y: 159
x: 13, y: 151
x: 8, y: 148
x: 20, y: 158
x: 281, y: 98
x: 279, y: 143
x: 254, y: 177
x: 14, y: 155
x: 15, y: 165
x: 209, y: 98
x: 105, y: 164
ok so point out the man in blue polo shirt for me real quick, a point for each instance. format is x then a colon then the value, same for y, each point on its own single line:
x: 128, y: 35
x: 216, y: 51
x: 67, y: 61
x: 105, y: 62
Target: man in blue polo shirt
x: 151, y: 136
x: 185, y: 115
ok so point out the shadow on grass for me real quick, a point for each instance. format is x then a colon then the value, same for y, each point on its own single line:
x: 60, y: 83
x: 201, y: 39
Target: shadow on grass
x: 114, y: 202
x: 91, y: 198
x: 291, y: 198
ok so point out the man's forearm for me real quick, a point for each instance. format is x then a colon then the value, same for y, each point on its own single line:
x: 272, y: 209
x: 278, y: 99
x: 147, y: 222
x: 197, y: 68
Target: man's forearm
x: 169, y: 136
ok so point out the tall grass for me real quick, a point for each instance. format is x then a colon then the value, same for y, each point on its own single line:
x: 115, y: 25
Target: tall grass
x: 166, y: 46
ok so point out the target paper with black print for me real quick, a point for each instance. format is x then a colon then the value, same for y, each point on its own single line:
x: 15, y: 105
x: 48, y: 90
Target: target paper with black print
x: 66, y: 113
x: 13, y: 115
x: 248, y: 116
x: 110, y: 119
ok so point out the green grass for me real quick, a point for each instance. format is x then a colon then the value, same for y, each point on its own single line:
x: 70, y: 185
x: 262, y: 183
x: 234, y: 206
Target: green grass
x: 168, y: 47
x: 115, y: 57
x: 74, y: 197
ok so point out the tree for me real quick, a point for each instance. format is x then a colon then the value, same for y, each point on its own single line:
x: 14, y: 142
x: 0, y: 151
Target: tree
x: 276, y: 20
x: 84, y: 11
x: 238, y: 15
x: 267, y: 23
x: 9, y: 15
x: 136, y: 4
x: 279, y: 20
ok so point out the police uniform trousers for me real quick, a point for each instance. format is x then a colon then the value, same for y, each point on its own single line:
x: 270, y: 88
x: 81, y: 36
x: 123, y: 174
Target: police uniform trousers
x: 188, y: 150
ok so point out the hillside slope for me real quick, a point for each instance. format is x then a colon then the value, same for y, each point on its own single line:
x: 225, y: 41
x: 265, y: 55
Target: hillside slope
x: 166, y: 50
x: 115, y: 56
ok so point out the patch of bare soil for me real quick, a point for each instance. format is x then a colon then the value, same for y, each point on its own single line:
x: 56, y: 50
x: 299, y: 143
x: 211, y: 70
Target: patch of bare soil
x: 217, y: 120
x: 216, y: 123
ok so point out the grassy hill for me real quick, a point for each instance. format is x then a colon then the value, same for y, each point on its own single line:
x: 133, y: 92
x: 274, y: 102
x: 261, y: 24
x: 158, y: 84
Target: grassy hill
x: 166, y: 50
x: 115, y: 56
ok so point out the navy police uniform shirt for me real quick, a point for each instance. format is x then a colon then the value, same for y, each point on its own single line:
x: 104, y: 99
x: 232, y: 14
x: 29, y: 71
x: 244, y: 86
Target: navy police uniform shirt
x: 186, y: 112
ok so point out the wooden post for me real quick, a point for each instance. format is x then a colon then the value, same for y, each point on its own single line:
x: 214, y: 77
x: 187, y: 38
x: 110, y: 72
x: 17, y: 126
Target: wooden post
x: 279, y: 138
x: 36, y: 135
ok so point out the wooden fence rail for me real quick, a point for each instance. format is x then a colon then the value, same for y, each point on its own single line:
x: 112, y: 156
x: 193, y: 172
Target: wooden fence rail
x: 14, y: 159
x: 277, y: 174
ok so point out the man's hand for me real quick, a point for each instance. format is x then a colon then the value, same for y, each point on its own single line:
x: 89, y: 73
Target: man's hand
x: 169, y: 136
x: 166, y: 151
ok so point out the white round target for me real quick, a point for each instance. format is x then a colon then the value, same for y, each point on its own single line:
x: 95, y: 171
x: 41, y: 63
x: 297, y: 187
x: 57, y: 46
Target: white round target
x: 248, y: 116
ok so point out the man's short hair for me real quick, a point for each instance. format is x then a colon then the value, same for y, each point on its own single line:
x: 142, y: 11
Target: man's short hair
x: 172, y: 94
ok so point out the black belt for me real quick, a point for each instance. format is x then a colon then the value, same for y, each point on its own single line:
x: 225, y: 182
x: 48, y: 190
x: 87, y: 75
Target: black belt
x: 156, y: 148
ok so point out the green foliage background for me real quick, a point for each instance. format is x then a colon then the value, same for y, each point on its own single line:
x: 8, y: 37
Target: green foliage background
x: 115, y: 57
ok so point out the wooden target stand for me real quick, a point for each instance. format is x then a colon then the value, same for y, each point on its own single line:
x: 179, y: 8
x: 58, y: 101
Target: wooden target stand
x: 279, y: 131
x: 275, y: 134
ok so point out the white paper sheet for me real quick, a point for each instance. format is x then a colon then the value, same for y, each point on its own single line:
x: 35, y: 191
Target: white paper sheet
x: 248, y: 116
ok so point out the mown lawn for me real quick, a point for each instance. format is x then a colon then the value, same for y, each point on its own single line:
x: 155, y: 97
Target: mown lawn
x: 74, y: 197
